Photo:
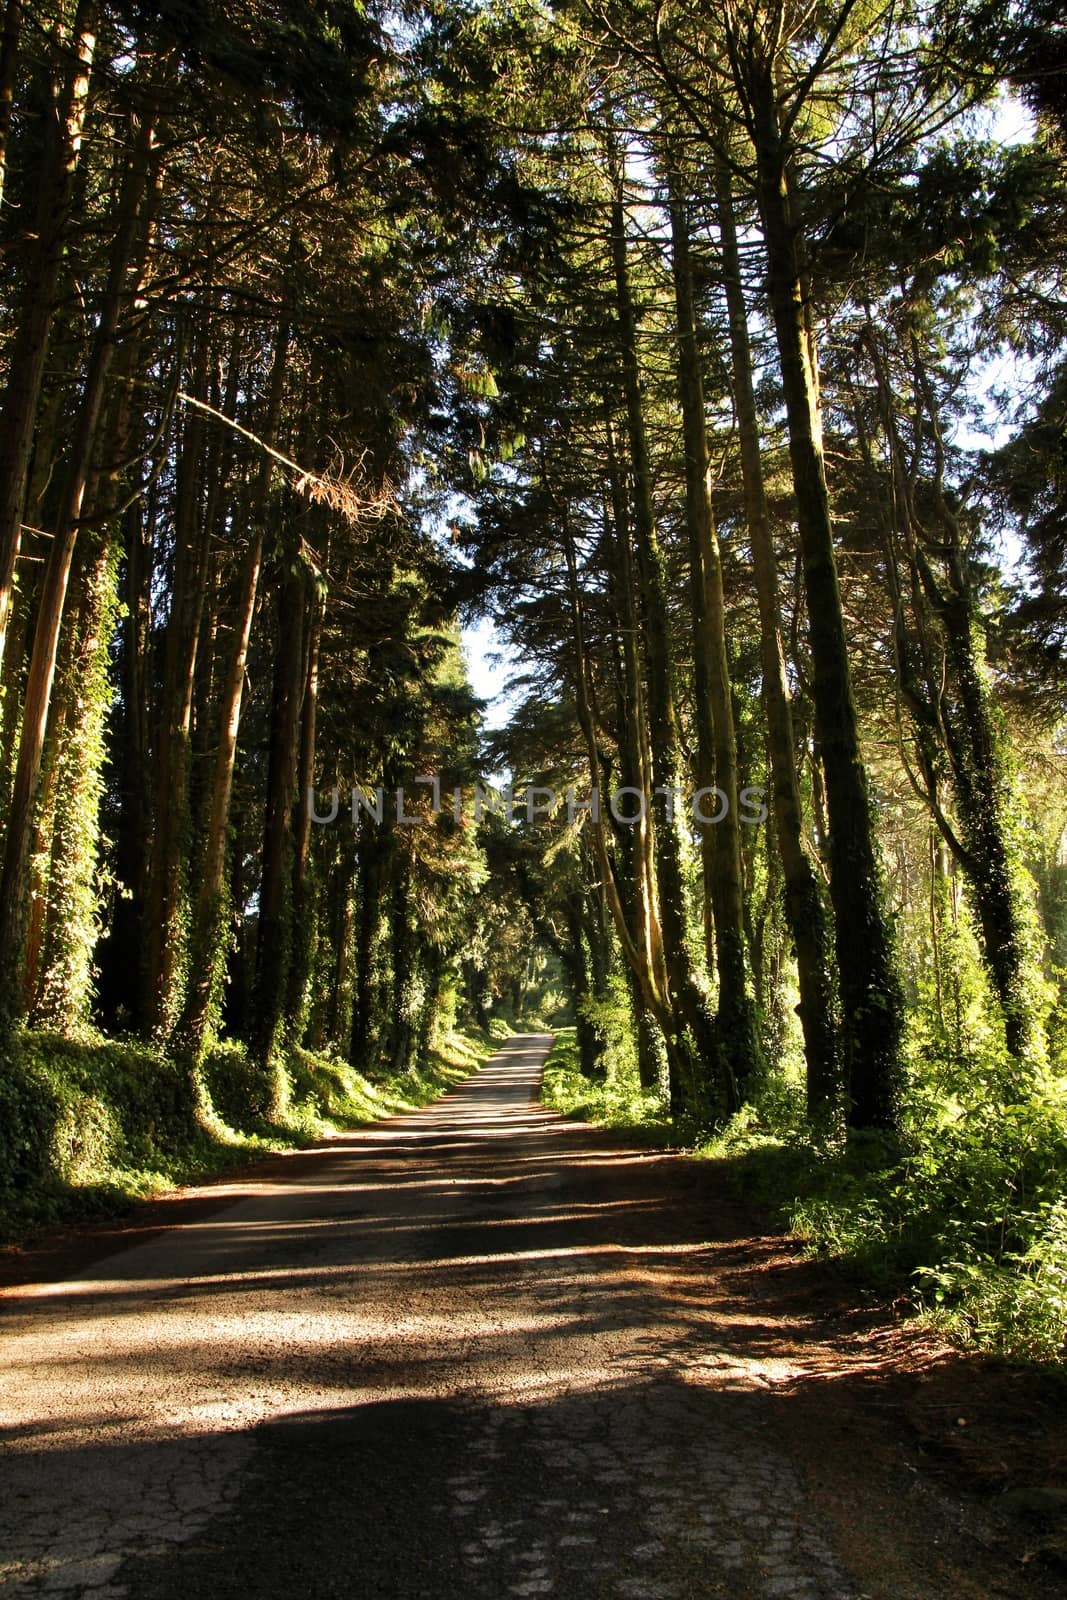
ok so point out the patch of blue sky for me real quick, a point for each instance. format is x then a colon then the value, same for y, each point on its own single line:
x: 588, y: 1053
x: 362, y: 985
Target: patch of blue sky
x: 492, y: 662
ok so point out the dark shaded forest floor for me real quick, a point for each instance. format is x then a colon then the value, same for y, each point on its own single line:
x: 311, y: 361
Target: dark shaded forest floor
x: 479, y: 1350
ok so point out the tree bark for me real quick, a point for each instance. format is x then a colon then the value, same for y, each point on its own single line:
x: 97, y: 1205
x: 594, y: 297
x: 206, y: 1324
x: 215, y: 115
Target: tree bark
x: 707, y: 1085
x: 63, y: 137
x: 716, y: 739
x: 13, y: 883
x: 303, y: 956
x: 210, y: 910
x: 9, y: 56
x: 871, y: 999
x: 274, y: 938
x: 963, y: 721
x: 165, y: 944
x: 804, y: 907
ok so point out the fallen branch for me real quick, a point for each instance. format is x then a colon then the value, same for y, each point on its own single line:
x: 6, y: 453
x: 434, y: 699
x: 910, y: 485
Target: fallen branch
x: 321, y: 488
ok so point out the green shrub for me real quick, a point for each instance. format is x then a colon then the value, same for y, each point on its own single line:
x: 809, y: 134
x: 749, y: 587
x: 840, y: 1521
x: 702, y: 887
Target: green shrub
x: 1015, y: 1307
x: 87, y: 1126
x: 610, y: 1016
x: 616, y: 1100
x: 972, y: 1215
x: 30, y: 1109
x: 238, y: 1090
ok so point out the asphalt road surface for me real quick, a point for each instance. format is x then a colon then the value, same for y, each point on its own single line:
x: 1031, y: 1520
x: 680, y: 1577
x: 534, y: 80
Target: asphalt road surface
x: 473, y: 1351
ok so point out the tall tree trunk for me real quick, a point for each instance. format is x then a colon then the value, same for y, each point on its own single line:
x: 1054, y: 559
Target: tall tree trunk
x: 374, y: 847
x: 572, y: 954
x: 716, y: 740
x: 9, y: 56
x: 980, y: 782
x: 336, y: 1011
x: 803, y: 898
x: 62, y: 924
x: 963, y: 721
x: 63, y: 991
x: 218, y: 464
x: 401, y: 1025
x: 209, y: 917
x: 707, y: 1084
x: 871, y: 999
x: 121, y: 954
x: 274, y: 939
x: 634, y: 747
x: 303, y: 932
x: 63, y: 137
x: 165, y: 945
x: 649, y: 977
x: 13, y: 883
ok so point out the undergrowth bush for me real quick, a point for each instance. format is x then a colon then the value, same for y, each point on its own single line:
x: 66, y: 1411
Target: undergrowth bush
x: 238, y: 1091
x: 610, y: 1017
x: 85, y: 1127
x: 82, y: 1122
x: 975, y: 1214
x: 616, y: 1099
x: 971, y: 1219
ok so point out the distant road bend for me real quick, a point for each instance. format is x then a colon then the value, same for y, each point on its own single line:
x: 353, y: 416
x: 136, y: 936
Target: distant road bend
x: 472, y: 1351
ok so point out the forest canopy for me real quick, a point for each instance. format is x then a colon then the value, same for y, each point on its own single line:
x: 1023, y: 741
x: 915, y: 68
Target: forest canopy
x: 719, y: 357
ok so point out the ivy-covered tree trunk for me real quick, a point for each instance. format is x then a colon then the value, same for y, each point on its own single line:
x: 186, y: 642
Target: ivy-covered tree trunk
x: 62, y: 135
x: 982, y: 785
x: 871, y: 999
x: 572, y: 953
x: 959, y: 726
x: 805, y: 911
x: 707, y: 1084
x: 63, y: 990
x: 716, y: 740
x: 14, y: 880
x: 647, y: 1035
x: 65, y: 902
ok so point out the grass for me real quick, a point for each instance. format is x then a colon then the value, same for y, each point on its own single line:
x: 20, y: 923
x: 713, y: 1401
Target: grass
x: 614, y: 1101
x: 89, y: 1128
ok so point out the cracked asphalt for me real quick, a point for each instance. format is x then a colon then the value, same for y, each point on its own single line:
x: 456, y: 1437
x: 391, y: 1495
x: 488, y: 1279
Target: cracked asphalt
x: 473, y: 1351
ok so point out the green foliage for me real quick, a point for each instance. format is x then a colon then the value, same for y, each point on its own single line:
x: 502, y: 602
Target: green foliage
x: 973, y: 1214
x: 329, y: 1093
x: 1017, y: 1306
x: 73, y: 898
x: 84, y: 1122
x: 236, y: 1091
x: 478, y: 429
x: 617, y: 1100
x: 86, y: 1127
x: 608, y: 1014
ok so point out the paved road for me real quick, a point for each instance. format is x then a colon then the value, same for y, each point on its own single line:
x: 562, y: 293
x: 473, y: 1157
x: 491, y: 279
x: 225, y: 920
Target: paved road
x: 465, y: 1352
